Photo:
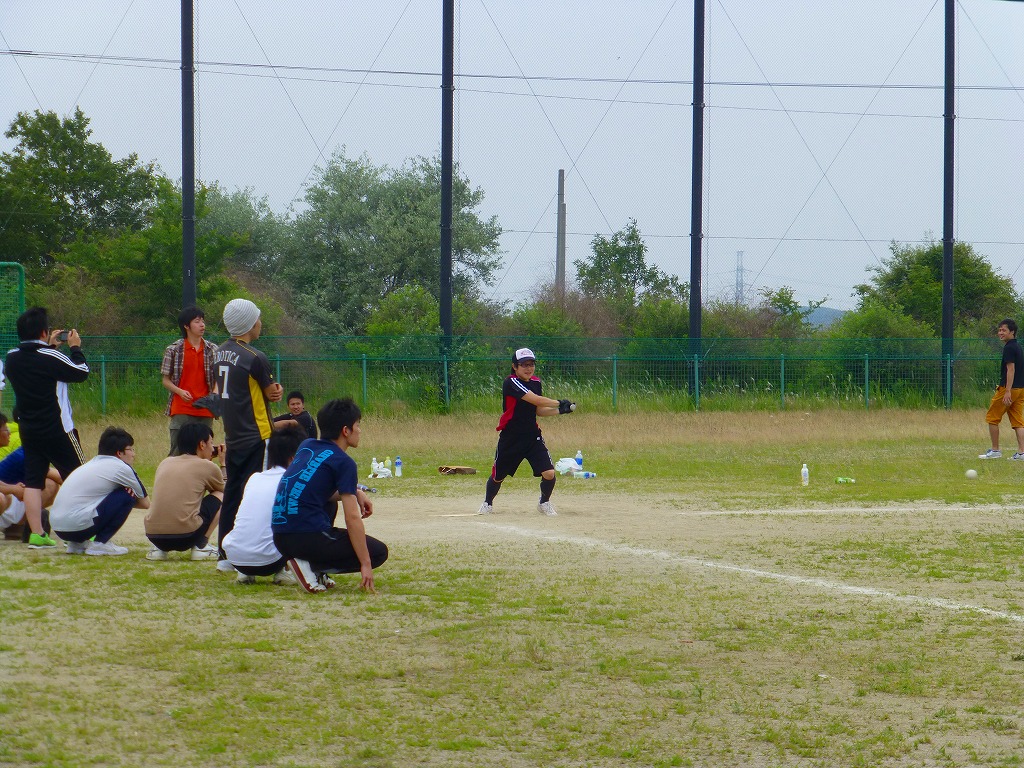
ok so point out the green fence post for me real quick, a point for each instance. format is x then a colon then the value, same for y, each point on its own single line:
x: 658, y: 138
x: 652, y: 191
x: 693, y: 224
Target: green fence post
x: 615, y: 382
x: 364, y: 380
x: 277, y: 367
x: 782, y: 382
x: 949, y: 382
x: 103, y: 384
x: 447, y: 390
x: 867, y: 384
x: 696, y: 382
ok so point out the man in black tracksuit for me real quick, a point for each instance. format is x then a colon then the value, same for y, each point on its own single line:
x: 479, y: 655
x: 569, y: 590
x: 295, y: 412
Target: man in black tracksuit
x: 40, y: 374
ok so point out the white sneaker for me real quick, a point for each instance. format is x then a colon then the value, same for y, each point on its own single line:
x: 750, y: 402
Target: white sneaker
x: 1018, y: 456
x: 305, y: 575
x: 285, y: 577
x: 245, y: 578
x: 547, y: 508
x: 326, y: 580
x: 99, y: 548
x: 209, y: 552
x: 77, y: 547
x: 225, y: 567
x: 156, y: 554
x: 486, y: 509
x: 991, y: 454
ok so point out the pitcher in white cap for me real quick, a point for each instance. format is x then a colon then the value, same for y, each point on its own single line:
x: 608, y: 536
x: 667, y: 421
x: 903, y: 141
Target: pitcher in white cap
x: 520, y: 439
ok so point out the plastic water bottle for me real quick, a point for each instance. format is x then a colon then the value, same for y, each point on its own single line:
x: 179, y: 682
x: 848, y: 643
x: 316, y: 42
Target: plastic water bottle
x: 373, y: 467
x: 579, y: 459
x: 584, y: 475
x: 398, y: 466
x: 845, y: 480
x: 805, y: 475
x: 387, y: 462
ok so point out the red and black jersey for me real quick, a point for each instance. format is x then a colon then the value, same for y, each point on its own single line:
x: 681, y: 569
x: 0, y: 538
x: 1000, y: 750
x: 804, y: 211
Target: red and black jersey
x: 518, y: 416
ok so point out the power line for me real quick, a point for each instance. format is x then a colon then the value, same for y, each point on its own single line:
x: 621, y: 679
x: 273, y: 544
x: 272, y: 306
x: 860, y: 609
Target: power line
x: 175, y: 65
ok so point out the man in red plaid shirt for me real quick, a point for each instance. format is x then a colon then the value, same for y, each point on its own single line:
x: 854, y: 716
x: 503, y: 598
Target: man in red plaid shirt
x: 188, y: 373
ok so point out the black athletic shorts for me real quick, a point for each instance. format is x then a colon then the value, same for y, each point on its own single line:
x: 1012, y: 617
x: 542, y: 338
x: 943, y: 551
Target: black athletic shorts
x: 514, y: 449
x: 61, y: 449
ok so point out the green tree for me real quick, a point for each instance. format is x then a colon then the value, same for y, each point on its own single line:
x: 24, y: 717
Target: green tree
x: 241, y: 215
x: 909, y: 281
x: 131, y: 280
x: 777, y: 315
x: 618, y: 274
x: 368, y: 230
x: 57, y: 187
x: 875, y: 320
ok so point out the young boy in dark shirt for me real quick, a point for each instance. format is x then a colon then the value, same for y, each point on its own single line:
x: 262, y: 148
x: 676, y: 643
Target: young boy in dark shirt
x: 297, y: 412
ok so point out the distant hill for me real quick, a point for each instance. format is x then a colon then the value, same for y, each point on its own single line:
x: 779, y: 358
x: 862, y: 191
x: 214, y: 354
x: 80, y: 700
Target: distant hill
x: 823, y: 317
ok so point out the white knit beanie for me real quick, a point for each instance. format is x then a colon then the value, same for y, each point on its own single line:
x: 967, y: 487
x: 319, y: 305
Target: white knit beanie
x: 240, y: 315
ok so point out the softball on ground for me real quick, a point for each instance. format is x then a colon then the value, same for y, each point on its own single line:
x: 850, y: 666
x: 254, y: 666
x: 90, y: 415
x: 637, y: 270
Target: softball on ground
x: 572, y: 407
x: 972, y: 474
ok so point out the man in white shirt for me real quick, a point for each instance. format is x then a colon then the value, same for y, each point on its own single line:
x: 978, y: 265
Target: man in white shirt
x: 96, y: 499
x: 249, y: 545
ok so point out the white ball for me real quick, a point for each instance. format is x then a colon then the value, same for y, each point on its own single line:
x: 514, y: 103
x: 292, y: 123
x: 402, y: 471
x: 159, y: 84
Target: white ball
x: 572, y: 407
x: 972, y: 474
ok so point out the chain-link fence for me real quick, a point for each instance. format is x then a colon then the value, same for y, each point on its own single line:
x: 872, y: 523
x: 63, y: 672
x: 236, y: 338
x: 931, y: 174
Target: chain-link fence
x: 12, y: 301
x: 398, y: 374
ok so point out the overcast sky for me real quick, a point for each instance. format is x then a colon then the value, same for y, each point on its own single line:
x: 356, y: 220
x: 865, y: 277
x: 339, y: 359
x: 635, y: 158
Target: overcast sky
x: 824, y: 121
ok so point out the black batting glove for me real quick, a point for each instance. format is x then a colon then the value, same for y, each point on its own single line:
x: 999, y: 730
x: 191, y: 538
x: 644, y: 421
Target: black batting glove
x: 565, y: 406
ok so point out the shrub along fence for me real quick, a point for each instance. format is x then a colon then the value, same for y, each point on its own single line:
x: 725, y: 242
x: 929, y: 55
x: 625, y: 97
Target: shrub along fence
x: 394, y: 375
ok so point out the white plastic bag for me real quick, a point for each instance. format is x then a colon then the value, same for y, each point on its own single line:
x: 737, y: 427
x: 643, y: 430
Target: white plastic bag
x: 566, y: 465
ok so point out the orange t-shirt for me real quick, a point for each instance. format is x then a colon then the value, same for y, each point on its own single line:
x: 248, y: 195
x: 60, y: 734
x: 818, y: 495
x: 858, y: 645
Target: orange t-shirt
x: 193, y: 378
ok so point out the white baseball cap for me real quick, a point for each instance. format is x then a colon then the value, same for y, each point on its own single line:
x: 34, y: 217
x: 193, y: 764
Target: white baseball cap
x: 525, y: 353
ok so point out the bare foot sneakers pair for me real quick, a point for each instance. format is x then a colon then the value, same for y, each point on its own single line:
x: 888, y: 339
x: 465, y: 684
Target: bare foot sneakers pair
x: 544, y: 507
x: 95, y: 548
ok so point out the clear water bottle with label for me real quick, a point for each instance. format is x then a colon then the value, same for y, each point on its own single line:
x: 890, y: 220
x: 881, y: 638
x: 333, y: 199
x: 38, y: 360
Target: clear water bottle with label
x: 398, y: 466
x: 579, y: 460
x: 387, y: 462
x: 584, y: 475
x: 805, y: 475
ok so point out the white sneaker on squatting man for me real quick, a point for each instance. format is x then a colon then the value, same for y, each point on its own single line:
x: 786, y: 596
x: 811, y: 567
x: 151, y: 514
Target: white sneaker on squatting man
x: 485, y: 509
x: 245, y: 578
x: 285, y: 577
x: 77, y: 547
x: 225, y: 567
x: 305, y: 575
x: 156, y: 554
x: 547, y: 508
x: 991, y: 454
x: 209, y: 552
x: 100, y: 548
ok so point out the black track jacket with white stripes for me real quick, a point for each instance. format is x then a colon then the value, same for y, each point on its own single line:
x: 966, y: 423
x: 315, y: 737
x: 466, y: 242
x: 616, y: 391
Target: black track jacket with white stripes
x: 40, y: 375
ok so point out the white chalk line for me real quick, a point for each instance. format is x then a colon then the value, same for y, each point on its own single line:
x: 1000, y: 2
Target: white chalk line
x: 807, y: 581
x: 807, y: 511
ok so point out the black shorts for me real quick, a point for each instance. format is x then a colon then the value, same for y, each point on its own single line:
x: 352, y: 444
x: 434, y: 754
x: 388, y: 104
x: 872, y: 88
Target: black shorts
x: 181, y: 542
x: 61, y: 449
x: 513, y: 450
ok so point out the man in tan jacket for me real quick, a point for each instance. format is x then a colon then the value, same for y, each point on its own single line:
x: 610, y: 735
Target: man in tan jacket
x: 187, y: 494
